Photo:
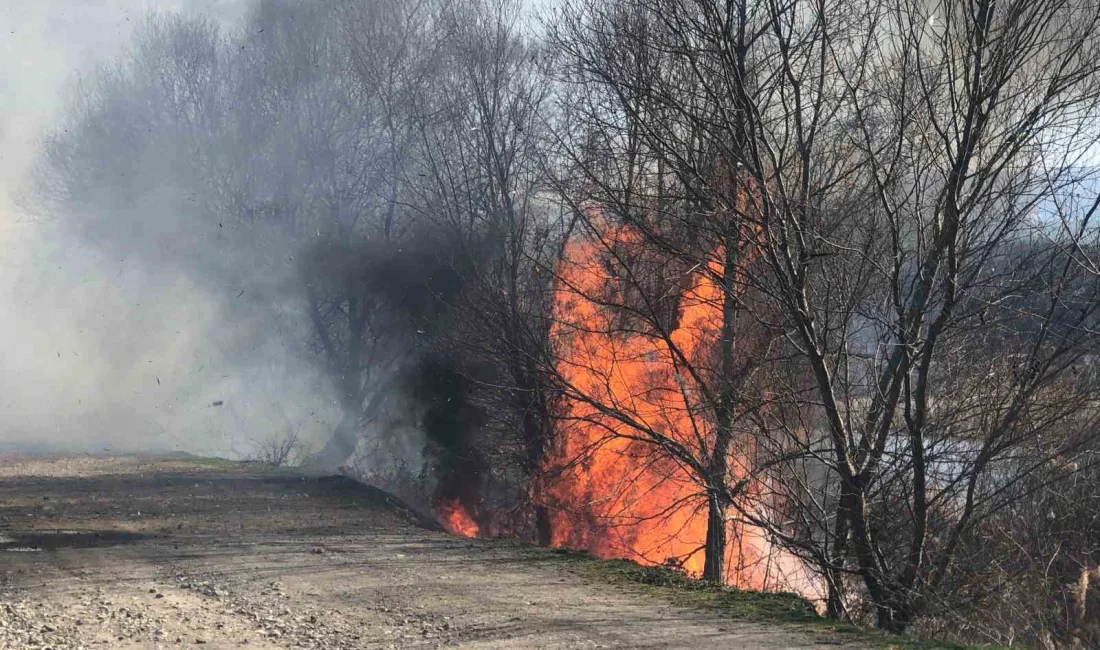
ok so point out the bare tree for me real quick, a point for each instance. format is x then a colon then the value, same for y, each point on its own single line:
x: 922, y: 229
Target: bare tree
x: 663, y: 205
x: 903, y: 259
x: 279, y: 450
x: 334, y: 79
x: 897, y: 163
x: 477, y: 177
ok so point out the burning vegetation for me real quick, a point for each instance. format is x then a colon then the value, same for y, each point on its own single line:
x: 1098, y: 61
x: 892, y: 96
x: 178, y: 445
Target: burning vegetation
x: 623, y: 479
x: 454, y: 516
x: 632, y: 395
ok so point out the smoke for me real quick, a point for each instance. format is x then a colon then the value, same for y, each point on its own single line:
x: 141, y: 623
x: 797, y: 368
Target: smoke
x: 450, y: 421
x: 184, y: 278
x: 420, y: 413
x: 117, y: 342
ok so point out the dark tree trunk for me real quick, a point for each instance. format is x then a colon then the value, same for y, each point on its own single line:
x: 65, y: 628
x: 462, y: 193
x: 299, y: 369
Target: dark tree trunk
x: 834, y: 603
x: 890, y: 614
x: 543, y: 531
x: 346, y: 369
x: 536, y: 421
x: 717, y: 532
x: 714, y: 559
x: 535, y: 447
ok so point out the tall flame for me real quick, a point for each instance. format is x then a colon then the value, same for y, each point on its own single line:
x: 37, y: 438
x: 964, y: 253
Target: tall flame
x: 610, y: 487
x: 612, y: 490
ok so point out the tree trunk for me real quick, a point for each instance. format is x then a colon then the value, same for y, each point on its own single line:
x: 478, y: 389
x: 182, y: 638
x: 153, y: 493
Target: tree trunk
x: 714, y: 568
x: 543, y: 536
x: 889, y: 617
x: 834, y: 604
x: 535, y: 444
x: 714, y: 562
x: 535, y: 423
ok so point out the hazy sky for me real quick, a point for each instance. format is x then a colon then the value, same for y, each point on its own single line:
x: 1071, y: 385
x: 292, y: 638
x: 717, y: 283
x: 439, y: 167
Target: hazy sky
x: 95, y: 351
x: 45, y: 43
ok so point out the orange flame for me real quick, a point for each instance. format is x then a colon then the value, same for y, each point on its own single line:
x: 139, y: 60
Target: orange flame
x: 454, y: 517
x: 611, y: 490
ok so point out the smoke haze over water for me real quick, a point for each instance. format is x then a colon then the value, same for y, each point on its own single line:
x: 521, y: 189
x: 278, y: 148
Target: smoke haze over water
x: 104, y: 350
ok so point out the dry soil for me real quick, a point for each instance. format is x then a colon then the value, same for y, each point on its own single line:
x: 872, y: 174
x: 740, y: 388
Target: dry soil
x: 140, y: 553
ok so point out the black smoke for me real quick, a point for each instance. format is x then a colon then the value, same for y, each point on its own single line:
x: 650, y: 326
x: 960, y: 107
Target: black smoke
x: 413, y: 288
x: 451, y: 424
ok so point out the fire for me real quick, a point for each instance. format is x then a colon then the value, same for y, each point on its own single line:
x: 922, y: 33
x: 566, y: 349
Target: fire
x: 608, y: 487
x: 610, y: 492
x: 456, y: 519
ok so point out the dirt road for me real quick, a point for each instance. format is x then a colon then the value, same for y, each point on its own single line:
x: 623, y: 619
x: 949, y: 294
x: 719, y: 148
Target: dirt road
x: 132, y: 553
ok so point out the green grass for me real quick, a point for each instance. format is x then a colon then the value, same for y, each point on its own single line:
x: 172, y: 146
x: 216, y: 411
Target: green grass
x: 682, y: 590
x: 741, y: 605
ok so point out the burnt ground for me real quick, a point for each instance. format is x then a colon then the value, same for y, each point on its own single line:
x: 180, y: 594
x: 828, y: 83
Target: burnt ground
x: 139, y: 553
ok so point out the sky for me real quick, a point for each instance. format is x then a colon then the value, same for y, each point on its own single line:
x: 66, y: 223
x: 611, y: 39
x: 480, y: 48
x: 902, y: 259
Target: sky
x: 45, y: 43
x: 99, y: 353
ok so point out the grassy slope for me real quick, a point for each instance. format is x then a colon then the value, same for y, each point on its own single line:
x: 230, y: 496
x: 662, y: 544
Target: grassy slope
x: 754, y: 606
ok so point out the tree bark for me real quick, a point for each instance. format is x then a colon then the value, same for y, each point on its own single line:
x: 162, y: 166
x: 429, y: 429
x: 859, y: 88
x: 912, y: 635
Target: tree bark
x: 834, y: 603
x: 543, y: 530
x: 534, y: 439
x: 889, y: 616
x: 717, y: 533
x: 714, y: 564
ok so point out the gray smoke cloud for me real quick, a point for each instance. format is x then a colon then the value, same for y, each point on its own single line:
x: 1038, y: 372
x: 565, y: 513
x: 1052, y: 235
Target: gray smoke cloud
x: 104, y: 350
